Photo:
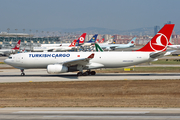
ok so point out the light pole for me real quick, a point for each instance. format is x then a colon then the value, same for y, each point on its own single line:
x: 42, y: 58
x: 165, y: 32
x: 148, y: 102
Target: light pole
x: 16, y: 33
x: 24, y: 32
x: 48, y: 36
x: 8, y: 31
x: 37, y: 36
x: 30, y: 39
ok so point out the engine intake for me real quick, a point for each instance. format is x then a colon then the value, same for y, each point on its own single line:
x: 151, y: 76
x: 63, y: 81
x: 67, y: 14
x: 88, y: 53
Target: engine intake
x: 57, y: 68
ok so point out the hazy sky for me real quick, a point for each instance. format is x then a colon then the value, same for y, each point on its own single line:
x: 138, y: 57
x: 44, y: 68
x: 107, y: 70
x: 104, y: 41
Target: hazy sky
x: 112, y: 14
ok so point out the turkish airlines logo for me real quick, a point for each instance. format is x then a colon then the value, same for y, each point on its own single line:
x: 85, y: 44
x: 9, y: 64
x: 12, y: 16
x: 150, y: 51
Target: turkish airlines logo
x: 81, y: 39
x: 159, y: 43
x: 18, y: 45
x: 73, y: 43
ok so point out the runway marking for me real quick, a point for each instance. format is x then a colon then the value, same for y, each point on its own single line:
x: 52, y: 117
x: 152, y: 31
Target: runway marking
x: 83, y: 112
x: 118, y: 117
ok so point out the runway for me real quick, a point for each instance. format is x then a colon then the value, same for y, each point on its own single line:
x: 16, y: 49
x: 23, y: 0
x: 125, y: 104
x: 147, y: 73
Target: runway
x: 41, y: 75
x: 90, y: 113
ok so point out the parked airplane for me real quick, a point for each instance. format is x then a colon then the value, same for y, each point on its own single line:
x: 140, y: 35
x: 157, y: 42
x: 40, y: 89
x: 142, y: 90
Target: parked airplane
x: 98, y: 48
x: 61, y: 62
x: 118, y: 46
x: 10, y: 51
x: 173, y: 46
x: 101, y: 41
x: 54, y: 49
x: 81, y: 39
x: 90, y: 42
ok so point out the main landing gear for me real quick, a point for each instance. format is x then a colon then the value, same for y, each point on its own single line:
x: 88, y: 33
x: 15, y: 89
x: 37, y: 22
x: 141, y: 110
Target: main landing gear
x: 86, y: 73
x: 22, y: 72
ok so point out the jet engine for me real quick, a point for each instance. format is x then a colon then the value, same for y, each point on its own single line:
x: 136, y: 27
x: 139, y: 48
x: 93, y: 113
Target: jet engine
x: 13, y: 51
x: 57, y: 68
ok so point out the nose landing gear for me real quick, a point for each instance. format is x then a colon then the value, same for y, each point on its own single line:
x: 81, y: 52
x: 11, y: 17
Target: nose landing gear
x: 22, y: 72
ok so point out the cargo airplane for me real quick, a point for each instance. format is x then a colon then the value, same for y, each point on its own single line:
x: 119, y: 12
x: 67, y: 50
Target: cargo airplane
x: 10, y: 51
x: 62, y: 62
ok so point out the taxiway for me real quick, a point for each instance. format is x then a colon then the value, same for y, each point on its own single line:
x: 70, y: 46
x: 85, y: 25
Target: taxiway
x: 41, y: 75
x: 90, y: 113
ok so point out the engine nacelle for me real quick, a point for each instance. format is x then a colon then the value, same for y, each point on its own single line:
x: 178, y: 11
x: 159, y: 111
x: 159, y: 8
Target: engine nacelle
x: 57, y: 68
x: 13, y: 51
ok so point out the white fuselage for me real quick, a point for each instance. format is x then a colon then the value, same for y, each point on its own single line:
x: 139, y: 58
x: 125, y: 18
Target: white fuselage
x: 6, y: 51
x: 174, y: 46
x: 45, y: 49
x: 55, y: 45
x: 115, y: 46
x: 101, y: 59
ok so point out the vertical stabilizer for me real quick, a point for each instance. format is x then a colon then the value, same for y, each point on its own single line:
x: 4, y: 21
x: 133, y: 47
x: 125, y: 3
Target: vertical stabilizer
x: 17, y: 45
x: 160, y: 41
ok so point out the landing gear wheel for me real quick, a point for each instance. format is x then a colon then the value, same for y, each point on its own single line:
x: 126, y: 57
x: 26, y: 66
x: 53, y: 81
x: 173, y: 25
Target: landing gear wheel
x: 85, y: 73
x: 22, y: 74
x: 79, y: 74
x: 88, y: 72
x: 93, y: 73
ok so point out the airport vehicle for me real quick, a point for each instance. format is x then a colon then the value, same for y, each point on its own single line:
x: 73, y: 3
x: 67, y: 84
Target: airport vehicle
x: 61, y: 62
x: 4, y: 52
x: 118, y: 46
x: 54, y: 49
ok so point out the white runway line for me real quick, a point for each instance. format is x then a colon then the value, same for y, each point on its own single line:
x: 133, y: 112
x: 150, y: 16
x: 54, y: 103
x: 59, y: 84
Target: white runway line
x: 83, y: 112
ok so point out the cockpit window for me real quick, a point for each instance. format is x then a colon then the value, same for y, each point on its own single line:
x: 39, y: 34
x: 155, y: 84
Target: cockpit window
x: 10, y: 57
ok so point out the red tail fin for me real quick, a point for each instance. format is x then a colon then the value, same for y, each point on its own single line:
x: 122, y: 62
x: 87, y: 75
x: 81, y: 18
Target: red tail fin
x: 82, y: 38
x: 73, y: 44
x: 102, y: 41
x: 160, y: 41
x: 170, y: 43
x: 97, y: 41
x: 17, y: 45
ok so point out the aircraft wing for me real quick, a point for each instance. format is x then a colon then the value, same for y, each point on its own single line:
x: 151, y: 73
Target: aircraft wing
x: 81, y: 61
x: 157, y: 54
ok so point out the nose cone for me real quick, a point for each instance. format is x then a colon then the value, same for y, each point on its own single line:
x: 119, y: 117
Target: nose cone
x: 6, y: 61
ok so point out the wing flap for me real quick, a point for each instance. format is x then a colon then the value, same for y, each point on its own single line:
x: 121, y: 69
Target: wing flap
x: 81, y: 61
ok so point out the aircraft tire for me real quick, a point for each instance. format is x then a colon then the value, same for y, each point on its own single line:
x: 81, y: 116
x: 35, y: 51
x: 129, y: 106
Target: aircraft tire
x: 79, y: 74
x: 85, y: 73
x: 22, y: 74
x: 88, y: 72
x: 93, y: 72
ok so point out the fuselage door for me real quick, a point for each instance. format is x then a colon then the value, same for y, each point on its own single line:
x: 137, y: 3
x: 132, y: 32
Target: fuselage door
x: 18, y: 58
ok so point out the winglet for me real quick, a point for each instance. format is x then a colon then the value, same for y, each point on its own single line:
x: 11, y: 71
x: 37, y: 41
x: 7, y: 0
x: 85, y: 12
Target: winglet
x: 160, y: 41
x: 91, y: 56
x: 17, y: 45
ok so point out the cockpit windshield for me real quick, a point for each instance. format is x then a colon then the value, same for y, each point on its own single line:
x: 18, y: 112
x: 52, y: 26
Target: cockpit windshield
x: 9, y: 57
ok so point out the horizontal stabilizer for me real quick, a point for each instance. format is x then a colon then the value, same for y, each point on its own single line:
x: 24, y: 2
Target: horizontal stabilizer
x: 157, y: 54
